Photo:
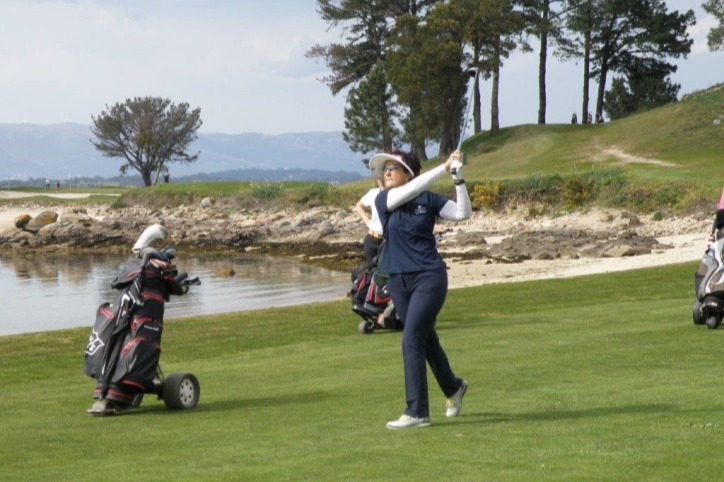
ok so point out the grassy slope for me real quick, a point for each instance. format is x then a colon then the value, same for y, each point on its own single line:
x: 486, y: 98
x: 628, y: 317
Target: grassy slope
x: 681, y: 133
x: 596, y: 378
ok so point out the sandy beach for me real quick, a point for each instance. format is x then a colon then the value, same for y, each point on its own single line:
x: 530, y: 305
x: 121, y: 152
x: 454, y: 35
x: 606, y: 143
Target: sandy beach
x: 8, y: 214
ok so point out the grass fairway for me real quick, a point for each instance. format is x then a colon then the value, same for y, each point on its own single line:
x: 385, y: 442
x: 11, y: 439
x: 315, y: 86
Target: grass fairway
x: 595, y: 378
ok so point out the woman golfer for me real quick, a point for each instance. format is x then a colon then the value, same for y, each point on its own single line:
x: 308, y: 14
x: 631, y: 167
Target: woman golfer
x: 418, y: 276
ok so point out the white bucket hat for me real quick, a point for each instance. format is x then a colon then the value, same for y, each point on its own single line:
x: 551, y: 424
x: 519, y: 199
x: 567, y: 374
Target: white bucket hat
x: 377, y: 164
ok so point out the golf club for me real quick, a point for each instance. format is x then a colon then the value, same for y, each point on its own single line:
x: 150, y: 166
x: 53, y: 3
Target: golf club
x: 473, y: 72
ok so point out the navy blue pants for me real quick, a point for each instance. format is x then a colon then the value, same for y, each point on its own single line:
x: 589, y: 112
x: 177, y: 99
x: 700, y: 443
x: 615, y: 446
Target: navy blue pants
x: 418, y: 298
x: 371, y: 247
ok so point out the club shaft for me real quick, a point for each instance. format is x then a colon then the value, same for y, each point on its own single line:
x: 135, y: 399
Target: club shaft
x: 467, y: 111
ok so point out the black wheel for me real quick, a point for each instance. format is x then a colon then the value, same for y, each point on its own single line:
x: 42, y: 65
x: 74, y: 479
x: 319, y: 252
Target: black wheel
x: 181, y: 391
x: 712, y: 322
x: 137, y: 400
x: 698, y: 315
x: 365, y: 327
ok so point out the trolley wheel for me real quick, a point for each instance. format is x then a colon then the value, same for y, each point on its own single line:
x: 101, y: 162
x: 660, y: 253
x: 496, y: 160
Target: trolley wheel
x: 181, y: 391
x: 137, y: 400
x: 365, y: 327
x: 712, y: 322
x: 698, y: 315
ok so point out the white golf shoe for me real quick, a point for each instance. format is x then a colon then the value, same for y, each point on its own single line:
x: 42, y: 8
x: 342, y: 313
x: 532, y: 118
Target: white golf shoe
x: 455, y: 403
x: 409, y: 422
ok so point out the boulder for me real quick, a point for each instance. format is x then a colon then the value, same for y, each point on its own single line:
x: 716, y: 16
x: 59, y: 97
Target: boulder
x: 41, y: 220
x: 469, y: 238
x: 225, y: 272
x: 22, y: 220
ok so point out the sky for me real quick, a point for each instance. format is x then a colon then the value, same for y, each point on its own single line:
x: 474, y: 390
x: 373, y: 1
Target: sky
x: 241, y: 61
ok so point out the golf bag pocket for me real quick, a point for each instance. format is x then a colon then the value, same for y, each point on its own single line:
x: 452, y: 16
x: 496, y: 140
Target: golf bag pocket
x: 99, y: 340
x: 377, y: 295
x: 137, y: 365
x: 147, y: 328
x: 360, y: 286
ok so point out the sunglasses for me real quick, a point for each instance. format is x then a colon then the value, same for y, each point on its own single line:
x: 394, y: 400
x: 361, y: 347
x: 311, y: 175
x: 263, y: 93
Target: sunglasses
x: 392, y: 167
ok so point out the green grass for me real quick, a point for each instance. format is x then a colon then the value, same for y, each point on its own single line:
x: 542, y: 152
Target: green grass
x: 595, y: 378
x: 255, y: 194
x: 681, y: 134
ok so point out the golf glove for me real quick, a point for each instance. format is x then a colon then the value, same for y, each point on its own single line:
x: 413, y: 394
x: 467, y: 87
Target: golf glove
x: 456, y: 171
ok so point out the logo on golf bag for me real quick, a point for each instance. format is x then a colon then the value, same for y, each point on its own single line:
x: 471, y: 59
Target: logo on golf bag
x: 94, y: 344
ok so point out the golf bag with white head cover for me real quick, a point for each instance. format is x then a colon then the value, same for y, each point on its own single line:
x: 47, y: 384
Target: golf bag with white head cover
x: 123, y: 351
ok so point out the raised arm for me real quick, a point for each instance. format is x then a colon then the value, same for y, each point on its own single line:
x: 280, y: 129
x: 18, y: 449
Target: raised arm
x: 400, y: 195
x: 460, y: 210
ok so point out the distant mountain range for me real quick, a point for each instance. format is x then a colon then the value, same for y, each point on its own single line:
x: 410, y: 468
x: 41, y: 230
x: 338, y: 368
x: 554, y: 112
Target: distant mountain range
x: 64, y: 151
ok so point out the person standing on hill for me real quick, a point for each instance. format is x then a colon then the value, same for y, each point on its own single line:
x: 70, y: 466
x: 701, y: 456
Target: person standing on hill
x: 373, y: 238
x: 418, y: 279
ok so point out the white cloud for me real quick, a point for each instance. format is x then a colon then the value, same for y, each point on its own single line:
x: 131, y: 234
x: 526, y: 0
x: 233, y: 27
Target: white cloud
x: 699, y: 32
x: 68, y: 59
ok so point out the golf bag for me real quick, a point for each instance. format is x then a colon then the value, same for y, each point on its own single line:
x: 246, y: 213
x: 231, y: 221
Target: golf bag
x: 709, y: 279
x: 125, y: 345
x: 371, y: 300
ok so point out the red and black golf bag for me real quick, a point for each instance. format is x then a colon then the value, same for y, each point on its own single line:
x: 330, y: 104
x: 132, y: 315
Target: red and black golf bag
x: 124, y: 348
x: 370, y: 298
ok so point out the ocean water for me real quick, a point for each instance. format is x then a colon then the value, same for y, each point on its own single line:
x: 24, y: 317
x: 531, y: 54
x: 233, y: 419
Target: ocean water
x: 51, y: 292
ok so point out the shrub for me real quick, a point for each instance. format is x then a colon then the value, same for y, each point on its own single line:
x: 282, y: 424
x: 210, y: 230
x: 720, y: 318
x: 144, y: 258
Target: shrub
x: 579, y: 190
x: 266, y: 190
x: 486, y: 195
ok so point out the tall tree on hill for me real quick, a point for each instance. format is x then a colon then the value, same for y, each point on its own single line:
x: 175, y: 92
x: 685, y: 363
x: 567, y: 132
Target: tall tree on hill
x: 149, y: 133
x: 366, y: 26
x: 491, y: 31
x: 424, y: 69
x: 583, y: 15
x: 480, y: 21
x: 645, y: 86
x: 544, y: 19
x: 369, y: 118
x: 715, y: 38
x: 631, y: 31
x: 505, y: 34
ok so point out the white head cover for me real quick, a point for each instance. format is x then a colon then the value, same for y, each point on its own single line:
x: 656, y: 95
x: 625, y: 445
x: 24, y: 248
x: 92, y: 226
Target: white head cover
x: 377, y: 164
x: 152, y: 234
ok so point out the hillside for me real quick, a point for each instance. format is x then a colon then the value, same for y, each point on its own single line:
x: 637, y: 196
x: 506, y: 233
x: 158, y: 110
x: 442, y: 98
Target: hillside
x: 679, y: 141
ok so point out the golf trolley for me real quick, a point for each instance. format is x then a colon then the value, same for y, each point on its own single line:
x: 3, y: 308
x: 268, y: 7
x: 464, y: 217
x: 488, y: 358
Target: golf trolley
x: 125, y: 345
x: 708, y: 308
x: 372, y: 301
